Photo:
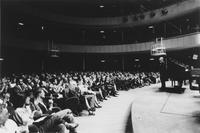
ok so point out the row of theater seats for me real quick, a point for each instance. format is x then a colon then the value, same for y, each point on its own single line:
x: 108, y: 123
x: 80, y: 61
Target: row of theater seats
x: 50, y: 102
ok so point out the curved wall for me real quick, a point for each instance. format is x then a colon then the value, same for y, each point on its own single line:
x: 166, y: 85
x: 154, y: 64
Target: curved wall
x: 179, y: 42
x: 173, y: 11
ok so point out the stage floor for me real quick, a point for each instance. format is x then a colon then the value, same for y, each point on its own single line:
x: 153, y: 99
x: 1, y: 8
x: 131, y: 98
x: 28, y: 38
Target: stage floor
x: 146, y: 110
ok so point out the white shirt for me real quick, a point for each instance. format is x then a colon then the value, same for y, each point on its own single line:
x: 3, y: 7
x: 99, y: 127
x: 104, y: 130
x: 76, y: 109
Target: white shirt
x: 9, y: 127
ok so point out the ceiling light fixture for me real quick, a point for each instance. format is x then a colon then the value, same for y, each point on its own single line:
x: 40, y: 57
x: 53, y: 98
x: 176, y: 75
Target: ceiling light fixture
x: 102, y: 31
x: 103, y: 60
x: 20, y: 23
x: 151, y: 27
x: 137, y: 60
x: 101, y: 6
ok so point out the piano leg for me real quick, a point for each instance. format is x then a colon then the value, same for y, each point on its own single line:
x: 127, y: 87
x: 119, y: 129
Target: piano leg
x: 180, y: 83
x: 163, y: 84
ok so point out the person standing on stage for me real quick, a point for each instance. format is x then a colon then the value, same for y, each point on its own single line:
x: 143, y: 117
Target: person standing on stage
x: 163, y: 71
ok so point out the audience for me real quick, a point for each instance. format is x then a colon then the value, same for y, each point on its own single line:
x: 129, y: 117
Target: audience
x: 50, y: 102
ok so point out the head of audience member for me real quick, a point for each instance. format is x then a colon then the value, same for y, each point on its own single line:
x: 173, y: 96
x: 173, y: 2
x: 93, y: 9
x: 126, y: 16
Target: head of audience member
x: 20, y: 81
x: 161, y: 59
x: 39, y: 93
x: 6, y: 98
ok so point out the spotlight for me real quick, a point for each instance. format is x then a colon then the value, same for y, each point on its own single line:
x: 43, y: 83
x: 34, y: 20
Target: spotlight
x: 102, y: 31
x: 103, y: 60
x: 101, y: 6
x: 151, y: 27
x: 136, y: 60
x: 20, y: 23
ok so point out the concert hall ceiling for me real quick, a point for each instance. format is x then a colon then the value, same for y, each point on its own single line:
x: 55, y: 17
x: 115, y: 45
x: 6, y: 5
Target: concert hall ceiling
x: 19, y: 23
x: 96, y: 8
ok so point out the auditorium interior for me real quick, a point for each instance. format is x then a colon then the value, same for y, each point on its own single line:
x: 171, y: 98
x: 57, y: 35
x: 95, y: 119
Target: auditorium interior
x: 84, y: 66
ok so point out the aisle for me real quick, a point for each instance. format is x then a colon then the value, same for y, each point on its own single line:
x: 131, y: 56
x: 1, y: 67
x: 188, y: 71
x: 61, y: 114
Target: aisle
x: 112, y: 117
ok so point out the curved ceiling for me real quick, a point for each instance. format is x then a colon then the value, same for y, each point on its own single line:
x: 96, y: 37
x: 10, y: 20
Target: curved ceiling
x: 39, y: 28
x: 97, y: 8
x: 141, y: 18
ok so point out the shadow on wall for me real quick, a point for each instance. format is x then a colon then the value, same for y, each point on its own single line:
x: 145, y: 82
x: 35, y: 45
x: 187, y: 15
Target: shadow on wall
x: 129, y: 123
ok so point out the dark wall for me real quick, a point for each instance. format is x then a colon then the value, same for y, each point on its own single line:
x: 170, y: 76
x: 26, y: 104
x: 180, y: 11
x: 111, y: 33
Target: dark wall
x: 18, y: 60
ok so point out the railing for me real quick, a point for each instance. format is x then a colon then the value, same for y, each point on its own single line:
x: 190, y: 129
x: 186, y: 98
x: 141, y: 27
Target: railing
x: 180, y: 42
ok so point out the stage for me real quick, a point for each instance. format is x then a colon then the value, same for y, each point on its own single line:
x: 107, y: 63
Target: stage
x: 146, y: 109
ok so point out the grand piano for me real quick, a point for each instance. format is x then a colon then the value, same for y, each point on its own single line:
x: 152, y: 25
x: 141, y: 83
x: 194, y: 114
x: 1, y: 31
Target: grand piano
x: 179, y: 72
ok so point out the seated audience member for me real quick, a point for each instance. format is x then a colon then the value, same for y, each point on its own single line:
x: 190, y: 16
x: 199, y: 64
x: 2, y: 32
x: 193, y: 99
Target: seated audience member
x: 33, y: 121
x: 75, y: 92
x: 6, y: 125
x: 6, y: 101
x: 72, y: 92
x: 69, y: 99
x: 65, y: 114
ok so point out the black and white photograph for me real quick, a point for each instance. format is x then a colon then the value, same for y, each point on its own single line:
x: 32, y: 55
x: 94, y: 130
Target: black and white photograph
x: 99, y: 66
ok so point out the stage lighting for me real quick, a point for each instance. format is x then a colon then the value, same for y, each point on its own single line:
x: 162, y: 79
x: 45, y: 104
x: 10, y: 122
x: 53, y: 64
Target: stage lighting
x: 136, y: 60
x: 20, y: 23
x: 101, y: 31
x: 150, y: 26
x: 102, y: 61
x: 101, y: 6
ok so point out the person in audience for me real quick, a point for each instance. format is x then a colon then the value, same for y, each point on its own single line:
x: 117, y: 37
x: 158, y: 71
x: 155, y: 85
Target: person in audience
x: 33, y: 121
x: 74, y: 90
x: 6, y: 125
x: 65, y: 114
